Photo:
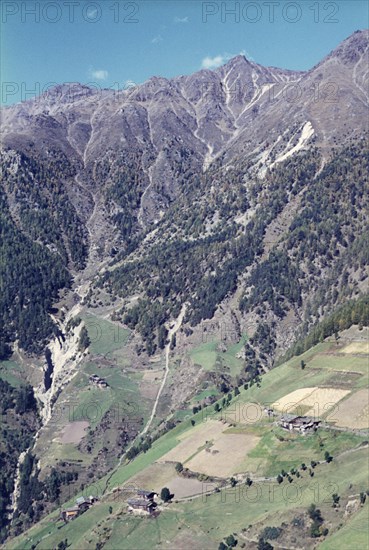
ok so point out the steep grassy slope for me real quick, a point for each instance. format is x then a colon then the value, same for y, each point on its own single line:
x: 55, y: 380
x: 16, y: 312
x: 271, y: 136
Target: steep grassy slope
x: 212, y: 514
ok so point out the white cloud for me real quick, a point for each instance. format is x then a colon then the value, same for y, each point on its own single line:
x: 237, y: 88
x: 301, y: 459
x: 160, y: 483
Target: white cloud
x: 129, y: 84
x: 214, y: 62
x: 247, y: 55
x: 218, y: 60
x: 181, y: 19
x: 99, y: 74
x: 157, y: 39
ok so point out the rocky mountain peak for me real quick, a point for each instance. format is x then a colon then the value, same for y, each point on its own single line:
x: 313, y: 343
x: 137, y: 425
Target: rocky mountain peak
x: 351, y: 50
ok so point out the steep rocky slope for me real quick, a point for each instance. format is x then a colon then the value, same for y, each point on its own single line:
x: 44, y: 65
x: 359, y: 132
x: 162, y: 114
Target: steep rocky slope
x: 90, y: 175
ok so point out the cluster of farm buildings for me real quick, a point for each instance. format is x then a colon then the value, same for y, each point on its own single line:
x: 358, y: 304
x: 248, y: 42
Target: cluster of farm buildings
x: 98, y: 381
x: 82, y: 504
x: 295, y: 423
x: 301, y: 424
x: 144, y: 503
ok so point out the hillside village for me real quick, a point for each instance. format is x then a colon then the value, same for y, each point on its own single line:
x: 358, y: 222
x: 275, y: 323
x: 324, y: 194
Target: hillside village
x: 265, y: 433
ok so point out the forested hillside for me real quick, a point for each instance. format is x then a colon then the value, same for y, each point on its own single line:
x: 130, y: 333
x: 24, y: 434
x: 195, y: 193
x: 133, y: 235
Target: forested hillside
x: 317, y: 262
x: 20, y: 421
x: 195, y: 188
x: 31, y: 276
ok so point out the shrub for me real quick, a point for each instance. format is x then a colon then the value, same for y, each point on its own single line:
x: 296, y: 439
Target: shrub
x: 179, y: 467
x: 231, y: 541
x: 271, y: 533
x: 165, y: 494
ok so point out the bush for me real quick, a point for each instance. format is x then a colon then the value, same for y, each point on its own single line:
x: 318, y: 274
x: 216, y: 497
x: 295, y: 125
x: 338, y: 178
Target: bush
x: 315, y: 529
x: 336, y: 499
x: 84, y: 340
x: 328, y: 457
x: 264, y: 545
x: 165, y: 494
x: 231, y: 541
x: 271, y: 533
x: 315, y: 513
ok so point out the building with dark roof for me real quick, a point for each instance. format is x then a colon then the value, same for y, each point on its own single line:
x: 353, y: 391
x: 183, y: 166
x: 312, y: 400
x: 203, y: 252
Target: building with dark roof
x: 141, y: 506
x: 146, y: 495
x: 301, y: 424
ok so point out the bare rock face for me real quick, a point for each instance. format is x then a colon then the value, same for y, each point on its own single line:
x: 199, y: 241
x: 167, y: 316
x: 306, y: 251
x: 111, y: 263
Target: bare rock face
x: 240, y: 108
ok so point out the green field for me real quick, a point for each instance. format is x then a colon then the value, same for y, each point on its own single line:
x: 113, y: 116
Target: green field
x: 354, y: 534
x: 83, y: 401
x: 11, y: 372
x: 106, y: 336
x: 205, y: 355
x: 203, y: 518
x: 321, y: 370
x: 210, y: 359
x: 204, y: 393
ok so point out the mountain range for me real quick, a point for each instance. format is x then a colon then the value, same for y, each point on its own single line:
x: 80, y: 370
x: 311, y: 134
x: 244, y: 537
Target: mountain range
x: 227, y: 205
x: 90, y: 174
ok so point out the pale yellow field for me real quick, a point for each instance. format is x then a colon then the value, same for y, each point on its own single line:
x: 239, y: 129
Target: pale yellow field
x: 153, y: 375
x: 244, y: 413
x: 232, y: 450
x: 193, y: 440
x: 227, y: 451
x: 320, y: 400
x: 150, y: 383
x: 354, y: 411
x: 154, y: 477
x: 291, y: 400
x: 160, y: 475
x: 356, y: 347
x: 185, y: 487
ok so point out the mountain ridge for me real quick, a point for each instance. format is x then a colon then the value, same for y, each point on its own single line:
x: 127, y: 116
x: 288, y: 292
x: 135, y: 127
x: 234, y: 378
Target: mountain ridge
x: 120, y: 162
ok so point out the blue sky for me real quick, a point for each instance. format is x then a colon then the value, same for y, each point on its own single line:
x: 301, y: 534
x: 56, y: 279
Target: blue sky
x: 113, y: 42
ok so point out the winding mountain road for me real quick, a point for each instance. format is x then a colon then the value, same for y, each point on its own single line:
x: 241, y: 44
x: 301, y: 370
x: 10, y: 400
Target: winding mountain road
x: 171, y: 333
